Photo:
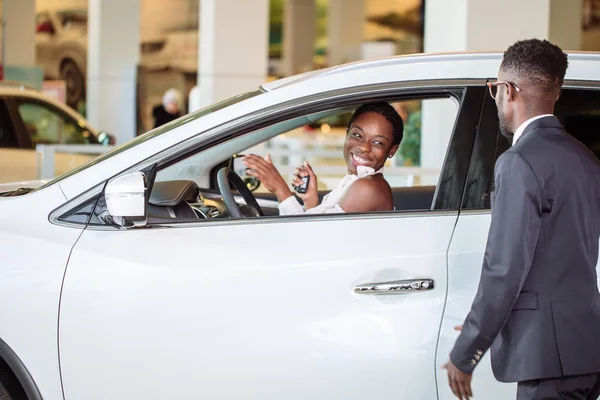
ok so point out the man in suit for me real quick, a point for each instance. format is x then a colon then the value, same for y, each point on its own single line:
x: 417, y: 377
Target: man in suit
x: 537, y: 305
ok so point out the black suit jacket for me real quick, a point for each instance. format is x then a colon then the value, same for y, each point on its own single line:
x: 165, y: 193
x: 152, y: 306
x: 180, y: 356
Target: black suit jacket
x: 538, y: 304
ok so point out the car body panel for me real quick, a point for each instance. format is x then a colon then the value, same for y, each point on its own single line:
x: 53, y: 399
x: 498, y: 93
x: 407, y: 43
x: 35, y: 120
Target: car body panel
x: 63, y: 44
x: 271, y: 321
x: 34, y: 258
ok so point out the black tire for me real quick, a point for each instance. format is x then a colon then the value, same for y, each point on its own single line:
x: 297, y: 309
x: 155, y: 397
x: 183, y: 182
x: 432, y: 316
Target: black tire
x: 75, y: 82
x: 9, y: 385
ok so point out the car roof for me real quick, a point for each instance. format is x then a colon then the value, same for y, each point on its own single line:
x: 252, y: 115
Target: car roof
x: 456, y: 65
x: 16, y: 89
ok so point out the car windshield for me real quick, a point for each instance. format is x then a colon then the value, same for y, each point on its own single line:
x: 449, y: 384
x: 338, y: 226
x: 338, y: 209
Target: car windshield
x: 73, y: 18
x: 156, y: 132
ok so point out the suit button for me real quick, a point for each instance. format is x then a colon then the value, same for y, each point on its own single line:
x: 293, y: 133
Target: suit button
x: 473, y: 362
x: 477, y: 357
x: 480, y: 352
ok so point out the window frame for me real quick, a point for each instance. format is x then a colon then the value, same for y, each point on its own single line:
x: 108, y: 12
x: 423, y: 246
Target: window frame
x: 479, y: 183
x: 471, y: 95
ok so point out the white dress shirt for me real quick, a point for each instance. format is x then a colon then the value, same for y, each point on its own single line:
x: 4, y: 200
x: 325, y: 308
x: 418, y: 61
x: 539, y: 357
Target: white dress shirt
x: 524, y: 125
x: 330, y: 203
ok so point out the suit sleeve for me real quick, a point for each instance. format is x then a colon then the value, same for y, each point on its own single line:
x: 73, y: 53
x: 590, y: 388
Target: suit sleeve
x: 512, y: 239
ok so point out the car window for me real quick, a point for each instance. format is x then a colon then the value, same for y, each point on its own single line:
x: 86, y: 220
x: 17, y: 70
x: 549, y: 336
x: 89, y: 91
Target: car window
x: 73, y: 18
x: 578, y: 109
x: 321, y: 143
x: 47, y: 125
x: 427, y: 173
x: 8, y: 137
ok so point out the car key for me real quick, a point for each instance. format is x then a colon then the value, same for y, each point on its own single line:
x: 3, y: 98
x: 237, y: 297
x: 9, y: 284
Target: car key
x: 304, y: 186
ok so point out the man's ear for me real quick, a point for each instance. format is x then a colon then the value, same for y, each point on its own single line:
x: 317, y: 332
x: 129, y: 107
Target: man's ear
x: 510, y: 92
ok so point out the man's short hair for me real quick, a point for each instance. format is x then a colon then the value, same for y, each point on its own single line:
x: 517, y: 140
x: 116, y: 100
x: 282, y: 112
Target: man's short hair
x: 536, y: 62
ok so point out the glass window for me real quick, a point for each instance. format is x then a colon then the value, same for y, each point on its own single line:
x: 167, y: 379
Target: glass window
x: 413, y: 172
x: 428, y: 125
x: 47, y: 125
x: 577, y: 109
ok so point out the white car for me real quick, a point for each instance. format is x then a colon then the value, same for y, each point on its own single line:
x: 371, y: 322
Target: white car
x: 61, y: 48
x: 29, y: 118
x: 129, y: 278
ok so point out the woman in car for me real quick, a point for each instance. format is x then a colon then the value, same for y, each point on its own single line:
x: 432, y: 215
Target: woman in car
x: 374, y: 133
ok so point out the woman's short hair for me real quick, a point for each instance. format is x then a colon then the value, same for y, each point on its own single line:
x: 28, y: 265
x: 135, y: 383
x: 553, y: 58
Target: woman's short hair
x: 385, y: 110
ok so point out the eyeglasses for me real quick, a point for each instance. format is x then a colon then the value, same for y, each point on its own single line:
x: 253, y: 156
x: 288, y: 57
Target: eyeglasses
x: 493, y: 86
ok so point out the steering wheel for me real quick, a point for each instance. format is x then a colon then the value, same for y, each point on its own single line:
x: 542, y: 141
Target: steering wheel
x: 225, y: 178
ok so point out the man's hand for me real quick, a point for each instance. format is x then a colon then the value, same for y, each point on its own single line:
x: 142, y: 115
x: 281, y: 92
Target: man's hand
x: 459, y: 382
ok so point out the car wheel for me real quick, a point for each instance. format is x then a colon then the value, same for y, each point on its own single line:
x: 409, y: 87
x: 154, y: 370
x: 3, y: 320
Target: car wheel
x: 75, y: 82
x: 9, y: 386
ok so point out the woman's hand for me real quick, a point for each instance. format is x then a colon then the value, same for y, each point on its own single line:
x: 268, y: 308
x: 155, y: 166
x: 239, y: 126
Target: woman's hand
x: 265, y: 171
x: 311, y: 197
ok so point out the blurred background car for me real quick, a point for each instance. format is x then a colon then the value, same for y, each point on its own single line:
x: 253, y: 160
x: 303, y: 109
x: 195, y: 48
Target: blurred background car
x: 61, y: 49
x: 29, y: 118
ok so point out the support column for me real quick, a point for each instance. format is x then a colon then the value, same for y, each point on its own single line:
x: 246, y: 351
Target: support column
x: 479, y: 25
x: 485, y: 25
x: 233, y: 48
x: 345, y: 30
x: 299, y: 25
x: 19, y: 31
x: 112, y: 59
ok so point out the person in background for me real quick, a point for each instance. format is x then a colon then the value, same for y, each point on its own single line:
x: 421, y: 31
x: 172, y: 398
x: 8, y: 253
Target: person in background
x: 170, y: 108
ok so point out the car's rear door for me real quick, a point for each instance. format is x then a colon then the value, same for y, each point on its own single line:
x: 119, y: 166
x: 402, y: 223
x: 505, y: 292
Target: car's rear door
x: 335, y: 306
x: 579, y: 111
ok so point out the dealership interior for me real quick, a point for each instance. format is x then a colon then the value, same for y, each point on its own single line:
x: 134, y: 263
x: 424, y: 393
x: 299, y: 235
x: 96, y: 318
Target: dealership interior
x: 80, y: 77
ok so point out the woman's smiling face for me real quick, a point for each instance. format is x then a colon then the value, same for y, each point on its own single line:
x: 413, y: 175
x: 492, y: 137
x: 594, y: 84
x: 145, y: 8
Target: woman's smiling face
x: 369, y: 141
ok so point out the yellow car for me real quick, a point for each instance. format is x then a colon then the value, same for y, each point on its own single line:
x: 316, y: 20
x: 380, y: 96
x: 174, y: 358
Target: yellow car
x: 29, y: 118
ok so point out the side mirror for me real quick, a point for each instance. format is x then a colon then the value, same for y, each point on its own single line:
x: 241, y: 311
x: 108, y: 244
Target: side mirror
x: 126, y: 199
x: 238, y: 166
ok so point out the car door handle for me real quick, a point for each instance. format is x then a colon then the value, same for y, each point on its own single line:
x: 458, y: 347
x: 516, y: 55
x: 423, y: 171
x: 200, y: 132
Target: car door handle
x: 395, y: 287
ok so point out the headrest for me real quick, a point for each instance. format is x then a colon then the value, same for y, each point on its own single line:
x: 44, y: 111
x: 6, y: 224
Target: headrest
x: 171, y: 193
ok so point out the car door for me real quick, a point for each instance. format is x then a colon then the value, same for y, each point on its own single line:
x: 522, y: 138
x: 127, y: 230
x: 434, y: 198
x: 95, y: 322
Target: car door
x: 284, y: 307
x: 579, y: 111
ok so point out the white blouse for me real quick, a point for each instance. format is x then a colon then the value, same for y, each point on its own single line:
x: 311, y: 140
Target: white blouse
x: 331, y: 201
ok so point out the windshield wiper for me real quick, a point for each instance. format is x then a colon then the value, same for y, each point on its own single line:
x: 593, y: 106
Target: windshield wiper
x: 18, y: 192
